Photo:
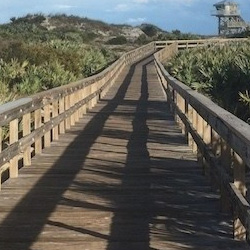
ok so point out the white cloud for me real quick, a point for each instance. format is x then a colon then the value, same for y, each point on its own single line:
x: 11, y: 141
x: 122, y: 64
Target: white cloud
x: 64, y: 6
x: 121, y: 7
x: 136, y: 20
x: 177, y: 2
x: 141, y: 1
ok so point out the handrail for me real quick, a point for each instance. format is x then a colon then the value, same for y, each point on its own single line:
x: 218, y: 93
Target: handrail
x: 187, y: 44
x: 220, y: 139
x: 32, y: 123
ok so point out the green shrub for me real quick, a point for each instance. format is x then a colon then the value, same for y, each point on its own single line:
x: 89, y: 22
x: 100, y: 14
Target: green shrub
x: 220, y: 72
x: 119, y: 40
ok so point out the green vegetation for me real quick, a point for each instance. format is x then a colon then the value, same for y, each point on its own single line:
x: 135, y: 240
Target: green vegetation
x: 35, y: 58
x: 220, y: 72
x: 177, y: 35
x: 40, y: 52
x: 119, y: 40
x: 152, y: 32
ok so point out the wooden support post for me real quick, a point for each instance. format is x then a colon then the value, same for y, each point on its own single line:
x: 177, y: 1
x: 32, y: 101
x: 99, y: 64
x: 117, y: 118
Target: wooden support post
x: 207, y: 133
x: 239, y: 169
x: 194, y: 123
x: 71, y: 104
x: 200, y: 131
x: 207, y: 138
x: 216, y: 144
x: 77, y: 99
x: 47, y: 135
x: 216, y: 149
x: 183, y: 111
x: 38, y: 124
x: 190, y: 119
x: 67, y: 107
x: 88, y: 93
x: 104, y: 91
x: 27, y: 131
x: 12, y: 139
x: 185, y: 108
x: 226, y: 163
x: 61, y: 111
x: 177, y: 102
x: 55, y: 131
x: 226, y: 157
x: 93, y: 89
x: 84, y: 107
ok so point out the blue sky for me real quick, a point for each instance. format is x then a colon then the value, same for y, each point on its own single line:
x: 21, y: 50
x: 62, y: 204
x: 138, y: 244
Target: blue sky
x: 186, y: 15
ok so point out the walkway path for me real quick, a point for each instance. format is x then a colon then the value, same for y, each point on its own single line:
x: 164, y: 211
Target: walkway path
x: 121, y: 179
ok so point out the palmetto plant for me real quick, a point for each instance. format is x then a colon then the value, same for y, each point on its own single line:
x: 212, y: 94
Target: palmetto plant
x: 31, y: 67
x: 245, y: 98
x: 220, y: 72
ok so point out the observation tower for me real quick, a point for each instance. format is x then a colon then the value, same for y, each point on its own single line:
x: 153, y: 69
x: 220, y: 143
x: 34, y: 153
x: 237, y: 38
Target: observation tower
x: 229, y: 17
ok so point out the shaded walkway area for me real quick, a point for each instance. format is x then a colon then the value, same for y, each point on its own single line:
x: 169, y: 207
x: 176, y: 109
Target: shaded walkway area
x: 123, y: 178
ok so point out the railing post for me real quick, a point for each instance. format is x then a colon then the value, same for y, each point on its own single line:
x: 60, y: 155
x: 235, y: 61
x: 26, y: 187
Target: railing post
x: 12, y: 139
x: 190, y: 118
x: 38, y: 124
x: 67, y: 107
x: 78, y: 111
x: 216, y: 149
x: 61, y: 111
x: 182, y: 108
x: 26, y: 131
x: 88, y: 92
x: 46, y: 116
x: 55, y: 131
x: 226, y: 163
x: 194, y: 123
x: 200, y: 131
x: 207, y: 139
x: 103, y: 93
x: 83, y: 96
x: 239, y: 169
x: 71, y: 104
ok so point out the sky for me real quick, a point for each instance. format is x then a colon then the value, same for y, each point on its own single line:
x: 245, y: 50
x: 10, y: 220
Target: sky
x: 192, y: 16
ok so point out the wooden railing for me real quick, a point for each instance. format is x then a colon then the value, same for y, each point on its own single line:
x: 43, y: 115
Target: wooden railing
x: 188, y: 44
x: 30, y: 124
x: 221, y: 141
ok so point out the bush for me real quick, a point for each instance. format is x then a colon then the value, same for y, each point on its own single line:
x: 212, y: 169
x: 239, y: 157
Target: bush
x: 221, y: 73
x: 119, y: 40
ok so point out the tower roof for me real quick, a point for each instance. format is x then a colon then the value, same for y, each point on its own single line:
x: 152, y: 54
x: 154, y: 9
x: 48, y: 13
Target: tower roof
x: 225, y: 2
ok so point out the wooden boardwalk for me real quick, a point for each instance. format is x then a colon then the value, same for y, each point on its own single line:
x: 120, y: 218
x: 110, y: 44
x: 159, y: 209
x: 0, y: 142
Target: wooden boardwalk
x: 121, y: 179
